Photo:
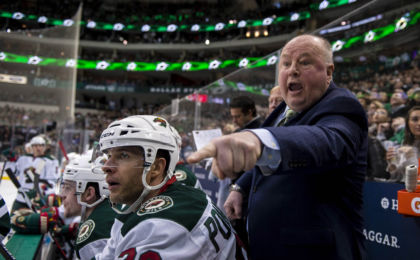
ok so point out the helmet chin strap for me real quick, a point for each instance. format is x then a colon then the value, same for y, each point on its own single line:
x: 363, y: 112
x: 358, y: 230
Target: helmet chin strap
x: 146, y: 190
x: 79, y: 200
x: 83, y: 215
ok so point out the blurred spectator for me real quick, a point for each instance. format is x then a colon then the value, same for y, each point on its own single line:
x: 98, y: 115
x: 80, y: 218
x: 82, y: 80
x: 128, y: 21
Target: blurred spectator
x: 397, y: 102
x: 399, y: 158
x: 274, y: 99
x: 398, y: 127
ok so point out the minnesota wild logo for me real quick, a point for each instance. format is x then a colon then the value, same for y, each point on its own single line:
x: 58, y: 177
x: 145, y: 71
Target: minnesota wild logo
x: 155, y: 204
x: 161, y: 121
x: 180, y: 175
x: 85, y: 231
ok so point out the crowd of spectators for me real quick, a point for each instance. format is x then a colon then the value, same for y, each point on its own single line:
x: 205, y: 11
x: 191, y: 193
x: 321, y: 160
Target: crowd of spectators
x: 139, y: 13
x: 386, y: 93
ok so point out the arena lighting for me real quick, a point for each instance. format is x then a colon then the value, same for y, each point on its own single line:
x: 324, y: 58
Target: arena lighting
x: 131, y: 66
x: 214, y: 64
x: 242, y: 24
x: 254, y: 62
x: 330, y: 4
x: 145, y: 28
x: 34, y: 60
x: 118, y: 27
x: 162, y: 66
x: 187, y: 66
x: 348, y: 25
x: 243, y: 63
x: 324, y: 4
x: 156, y: 27
x: 369, y: 37
x: 268, y: 21
x: 42, y: 19
x: 376, y: 34
x: 227, y: 84
x: 71, y: 63
x: 219, y: 27
x: 91, y: 24
x: 195, y: 28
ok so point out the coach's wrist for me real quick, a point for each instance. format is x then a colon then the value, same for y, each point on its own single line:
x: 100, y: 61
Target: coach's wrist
x: 236, y: 187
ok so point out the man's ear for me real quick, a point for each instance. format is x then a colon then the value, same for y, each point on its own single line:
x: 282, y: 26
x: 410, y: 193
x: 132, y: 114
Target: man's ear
x: 89, y: 195
x: 158, y: 167
x: 330, y: 70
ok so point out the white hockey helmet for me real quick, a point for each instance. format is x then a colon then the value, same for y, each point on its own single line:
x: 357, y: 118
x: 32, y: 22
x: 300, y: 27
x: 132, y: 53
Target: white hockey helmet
x: 37, y: 140
x: 79, y: 170
x: 177, y: 136
x: 151, y: 133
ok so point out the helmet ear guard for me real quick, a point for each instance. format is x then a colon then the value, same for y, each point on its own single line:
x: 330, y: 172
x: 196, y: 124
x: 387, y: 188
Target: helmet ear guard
x: 150, y: 133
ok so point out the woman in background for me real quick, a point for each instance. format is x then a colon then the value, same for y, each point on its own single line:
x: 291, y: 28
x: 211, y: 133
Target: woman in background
x: 399, y: 158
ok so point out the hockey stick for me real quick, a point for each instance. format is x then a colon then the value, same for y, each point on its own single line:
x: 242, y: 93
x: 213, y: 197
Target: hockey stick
x: 4, y: 252
x: 29, y: 204
x: 2, y: 170
x: 19, y: 188
x: 63, y: 150
x: 37, y: 172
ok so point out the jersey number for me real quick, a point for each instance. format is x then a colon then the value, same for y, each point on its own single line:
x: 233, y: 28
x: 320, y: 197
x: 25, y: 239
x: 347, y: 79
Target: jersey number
x: 130, y: 254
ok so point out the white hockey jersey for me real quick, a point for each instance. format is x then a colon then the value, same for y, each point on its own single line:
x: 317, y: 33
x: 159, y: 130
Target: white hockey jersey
x: 179, y: 223
x: 45, y: 166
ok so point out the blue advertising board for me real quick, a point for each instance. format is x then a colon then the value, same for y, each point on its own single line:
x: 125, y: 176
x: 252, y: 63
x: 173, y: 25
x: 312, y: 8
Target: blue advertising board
x: 389, y: 235
x: 209, y: 183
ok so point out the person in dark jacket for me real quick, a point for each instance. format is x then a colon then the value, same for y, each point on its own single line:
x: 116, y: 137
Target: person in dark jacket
x: 305, y: 176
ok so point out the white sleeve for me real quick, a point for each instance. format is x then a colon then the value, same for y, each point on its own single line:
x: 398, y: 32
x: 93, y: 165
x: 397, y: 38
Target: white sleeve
x: 49, y: 172
x: 92, y: 249
x: 109, y: 251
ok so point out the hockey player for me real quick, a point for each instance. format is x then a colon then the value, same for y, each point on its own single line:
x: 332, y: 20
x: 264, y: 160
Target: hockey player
x: 163, y: 219
x: 84, y: 193
x: 4, y: 218
x: 35, y: 167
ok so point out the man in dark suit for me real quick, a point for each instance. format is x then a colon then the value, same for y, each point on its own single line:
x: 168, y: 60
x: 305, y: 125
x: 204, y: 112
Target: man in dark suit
x: 244, y: 113
x: 306, y: 178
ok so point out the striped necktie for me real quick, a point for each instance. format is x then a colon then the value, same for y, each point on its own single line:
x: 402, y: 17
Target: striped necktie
x: 289, y: 114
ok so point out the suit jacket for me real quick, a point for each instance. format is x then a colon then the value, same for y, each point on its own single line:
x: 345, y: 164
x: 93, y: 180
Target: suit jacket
x: 254, y: 123
x: 311, y: 206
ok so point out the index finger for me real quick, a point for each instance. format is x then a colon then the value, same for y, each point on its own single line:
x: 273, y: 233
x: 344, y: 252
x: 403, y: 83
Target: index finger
x: 205, y: 152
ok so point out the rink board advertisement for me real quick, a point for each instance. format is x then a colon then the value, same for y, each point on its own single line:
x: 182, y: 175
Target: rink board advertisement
x: 389, y: 235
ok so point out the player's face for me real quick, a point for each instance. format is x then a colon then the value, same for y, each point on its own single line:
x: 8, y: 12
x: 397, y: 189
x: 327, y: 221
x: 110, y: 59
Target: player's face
x: 69, y: 199
x: 38, y: 149
x: 123, y: 170
x: 304, y: 74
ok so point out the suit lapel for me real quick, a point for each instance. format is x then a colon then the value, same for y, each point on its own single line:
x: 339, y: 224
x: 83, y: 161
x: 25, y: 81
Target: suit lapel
x: 274, y: 115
